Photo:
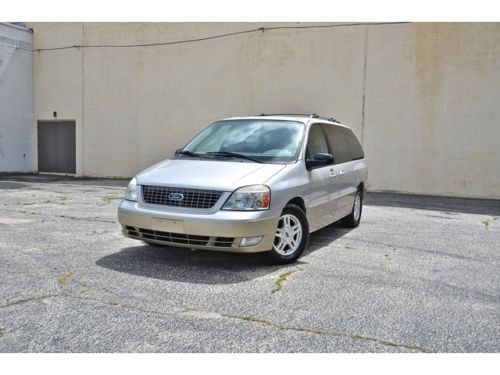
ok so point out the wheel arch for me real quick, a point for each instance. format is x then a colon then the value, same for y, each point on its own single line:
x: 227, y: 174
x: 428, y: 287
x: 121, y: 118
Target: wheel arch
x: 298, y: 201
x: 361, y: 187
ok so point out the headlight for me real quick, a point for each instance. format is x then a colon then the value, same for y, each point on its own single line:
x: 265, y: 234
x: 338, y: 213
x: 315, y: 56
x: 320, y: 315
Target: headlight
x: 131, y: 194
x: 249, y: 198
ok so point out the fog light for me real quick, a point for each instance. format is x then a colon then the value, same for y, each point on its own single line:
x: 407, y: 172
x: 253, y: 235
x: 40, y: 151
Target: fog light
x: 250, y: 241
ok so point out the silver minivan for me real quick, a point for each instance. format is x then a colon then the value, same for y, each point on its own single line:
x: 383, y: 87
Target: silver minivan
x: 250, y: 184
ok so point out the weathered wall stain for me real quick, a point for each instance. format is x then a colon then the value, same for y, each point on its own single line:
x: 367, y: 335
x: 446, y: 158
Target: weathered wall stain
x: 440, y: 110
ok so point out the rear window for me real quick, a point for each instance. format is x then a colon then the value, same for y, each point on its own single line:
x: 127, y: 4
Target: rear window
x: 343, y: 144
x: 354, y: 145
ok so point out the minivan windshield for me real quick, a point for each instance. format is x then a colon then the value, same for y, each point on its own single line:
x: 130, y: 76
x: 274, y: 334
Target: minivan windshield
x: 250, y: 139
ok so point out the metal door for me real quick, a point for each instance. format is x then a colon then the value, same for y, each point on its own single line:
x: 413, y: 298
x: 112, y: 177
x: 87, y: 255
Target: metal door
x: 56, y: 146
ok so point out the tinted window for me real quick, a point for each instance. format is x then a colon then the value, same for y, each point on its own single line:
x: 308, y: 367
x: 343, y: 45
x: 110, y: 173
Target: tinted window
x: 354, y: 145
x: 316, y: 142
x: 338, y: 143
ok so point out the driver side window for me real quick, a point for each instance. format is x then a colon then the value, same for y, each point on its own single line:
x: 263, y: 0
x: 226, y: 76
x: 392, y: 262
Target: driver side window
x: 316, y: 143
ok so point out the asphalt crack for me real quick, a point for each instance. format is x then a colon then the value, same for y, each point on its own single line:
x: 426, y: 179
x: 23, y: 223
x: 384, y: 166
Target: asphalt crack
x: 302, y: 329
x: 117, y: 303
x: 247, y: 319
x: 85, y: 298
x: 93, y: 219
x: 278, y: 284
x: 108, y: 200
x: 28, y: 299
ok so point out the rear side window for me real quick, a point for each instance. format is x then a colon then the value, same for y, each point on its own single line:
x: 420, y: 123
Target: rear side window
x: 338, y: 143
x: 354, y: 145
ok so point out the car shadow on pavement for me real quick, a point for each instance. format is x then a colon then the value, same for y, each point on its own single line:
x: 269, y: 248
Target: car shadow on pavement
x: 325, y: 237
x: 184, y: 265
x: 206, y: 267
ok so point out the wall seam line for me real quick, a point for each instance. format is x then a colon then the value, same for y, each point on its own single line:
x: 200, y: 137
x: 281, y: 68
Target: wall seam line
x: 82, y: 152
x: 364, y: 88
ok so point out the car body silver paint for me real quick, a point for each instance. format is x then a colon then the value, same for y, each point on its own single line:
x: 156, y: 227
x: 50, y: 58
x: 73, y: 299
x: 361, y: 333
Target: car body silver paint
x: 327, y: 192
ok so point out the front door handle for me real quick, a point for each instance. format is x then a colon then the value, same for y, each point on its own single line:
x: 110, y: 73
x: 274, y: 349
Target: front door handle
x: 332, y: 173
x: 342, y: 173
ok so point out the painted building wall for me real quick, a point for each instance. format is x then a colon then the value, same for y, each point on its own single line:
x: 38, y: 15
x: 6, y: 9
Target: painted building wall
x: 422, y: 97
x: 432, y: 113
x: 16, y: 99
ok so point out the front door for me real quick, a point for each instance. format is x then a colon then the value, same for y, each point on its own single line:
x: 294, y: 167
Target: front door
x: 322, y: 187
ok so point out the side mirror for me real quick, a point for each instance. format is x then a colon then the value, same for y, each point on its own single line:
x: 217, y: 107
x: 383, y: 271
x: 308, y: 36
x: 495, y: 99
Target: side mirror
x: 319, y: 160
x: 177, y: 151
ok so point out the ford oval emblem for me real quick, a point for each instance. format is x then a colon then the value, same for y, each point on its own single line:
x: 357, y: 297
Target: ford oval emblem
x: 175, y: 196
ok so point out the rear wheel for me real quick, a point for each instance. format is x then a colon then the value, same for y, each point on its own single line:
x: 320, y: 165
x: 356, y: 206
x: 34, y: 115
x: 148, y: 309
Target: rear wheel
x: 291, y: 237
x: 352, y: 220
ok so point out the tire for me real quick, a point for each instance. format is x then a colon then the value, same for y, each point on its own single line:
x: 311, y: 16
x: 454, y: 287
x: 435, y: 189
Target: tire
x: 353, y: 219
x: 289, y: 244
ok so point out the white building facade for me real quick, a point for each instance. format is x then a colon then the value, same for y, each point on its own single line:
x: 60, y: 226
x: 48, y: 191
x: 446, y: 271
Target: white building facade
x: 16, y: 99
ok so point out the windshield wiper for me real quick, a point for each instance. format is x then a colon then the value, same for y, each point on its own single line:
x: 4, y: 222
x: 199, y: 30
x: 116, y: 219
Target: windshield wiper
x: 232, y: 154
x: 190, y: 153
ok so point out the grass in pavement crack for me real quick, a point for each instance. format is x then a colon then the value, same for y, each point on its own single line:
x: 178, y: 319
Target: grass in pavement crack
x: 488, y: 222
x: 28, y: 299
x: 107, y: 200
x: 253, y: 319
x: 96, y: 219
x: 115, y: 303
x: 278, y: 284
x: 353, y: 336
x: 62, y: 280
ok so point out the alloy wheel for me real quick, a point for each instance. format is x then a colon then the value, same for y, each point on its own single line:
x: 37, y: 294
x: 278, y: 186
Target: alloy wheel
x: 357, y: 207
x: 288, y: 235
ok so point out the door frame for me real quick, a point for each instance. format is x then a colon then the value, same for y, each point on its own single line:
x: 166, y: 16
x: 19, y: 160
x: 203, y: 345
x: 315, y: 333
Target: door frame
x: 78, y: 146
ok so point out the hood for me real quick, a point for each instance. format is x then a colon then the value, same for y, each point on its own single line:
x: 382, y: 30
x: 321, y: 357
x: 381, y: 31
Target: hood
x: 207, y: 174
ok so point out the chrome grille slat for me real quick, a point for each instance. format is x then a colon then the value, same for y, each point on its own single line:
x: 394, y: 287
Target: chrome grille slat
x: 193, y: 198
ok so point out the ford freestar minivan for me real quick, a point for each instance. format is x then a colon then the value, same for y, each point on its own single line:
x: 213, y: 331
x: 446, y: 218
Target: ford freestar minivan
x: 250, y: 184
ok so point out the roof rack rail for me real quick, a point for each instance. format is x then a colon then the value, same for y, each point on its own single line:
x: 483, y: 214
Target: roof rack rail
x: 311, y: 115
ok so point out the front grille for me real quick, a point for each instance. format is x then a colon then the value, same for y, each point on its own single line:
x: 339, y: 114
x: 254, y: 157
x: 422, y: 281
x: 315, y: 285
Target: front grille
x: 180, y: 197
x: 178, y: 238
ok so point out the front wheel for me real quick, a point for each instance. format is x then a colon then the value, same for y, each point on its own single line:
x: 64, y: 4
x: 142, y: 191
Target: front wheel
x: 291, y: 237
x: 352, y: 220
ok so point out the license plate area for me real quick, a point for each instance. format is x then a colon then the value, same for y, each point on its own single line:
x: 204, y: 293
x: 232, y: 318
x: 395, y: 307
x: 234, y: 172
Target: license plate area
x: 167, y: 225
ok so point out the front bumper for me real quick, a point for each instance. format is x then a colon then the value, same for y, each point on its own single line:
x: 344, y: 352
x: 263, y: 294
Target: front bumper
x: 220, y: 230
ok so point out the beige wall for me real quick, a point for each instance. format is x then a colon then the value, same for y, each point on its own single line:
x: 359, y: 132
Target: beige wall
x: 429, y: 122
x: 58, y: 81
x: 432, y: 113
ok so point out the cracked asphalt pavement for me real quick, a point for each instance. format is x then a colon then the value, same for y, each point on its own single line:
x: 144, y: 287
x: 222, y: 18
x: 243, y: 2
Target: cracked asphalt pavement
x: 420, y: 274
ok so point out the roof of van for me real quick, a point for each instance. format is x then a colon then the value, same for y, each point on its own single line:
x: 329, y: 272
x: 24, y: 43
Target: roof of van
x: 305, y: 118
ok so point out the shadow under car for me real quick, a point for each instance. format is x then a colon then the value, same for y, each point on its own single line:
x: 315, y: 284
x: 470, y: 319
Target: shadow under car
x: 203, y: 266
